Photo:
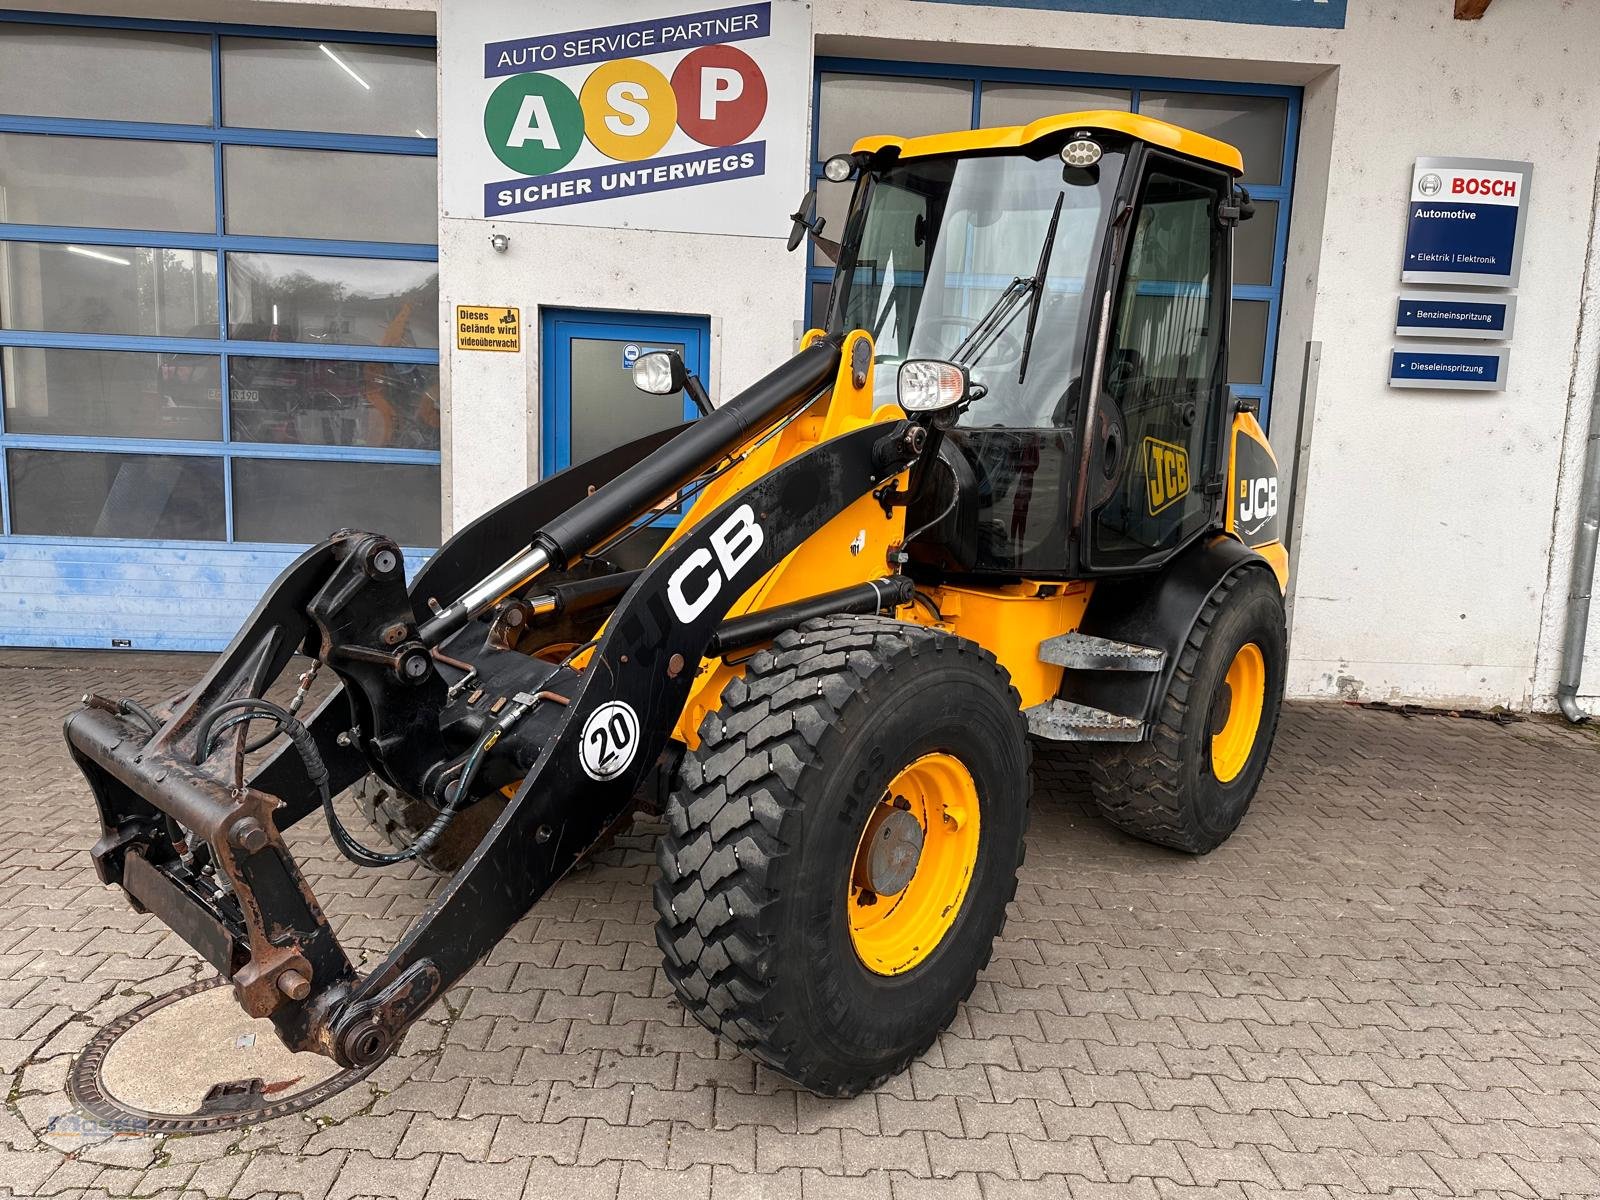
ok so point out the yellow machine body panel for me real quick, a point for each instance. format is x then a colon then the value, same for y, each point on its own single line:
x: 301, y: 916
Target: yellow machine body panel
x: 1255, y: 498
x: 1006, y: 137
x: 852, y: 548
x: 1009, y: 621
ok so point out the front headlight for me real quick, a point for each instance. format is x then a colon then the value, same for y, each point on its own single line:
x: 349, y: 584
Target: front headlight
x: 931, y: 385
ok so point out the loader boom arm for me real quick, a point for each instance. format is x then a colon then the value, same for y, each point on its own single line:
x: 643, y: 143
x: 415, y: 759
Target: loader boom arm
x: 593, y: 728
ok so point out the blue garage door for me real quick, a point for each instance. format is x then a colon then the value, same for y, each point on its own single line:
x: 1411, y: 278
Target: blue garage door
x: 218, y: 317
x: 854, y: 98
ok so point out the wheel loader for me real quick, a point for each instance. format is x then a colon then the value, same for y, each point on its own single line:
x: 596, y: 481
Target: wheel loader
x: 1002, y: 493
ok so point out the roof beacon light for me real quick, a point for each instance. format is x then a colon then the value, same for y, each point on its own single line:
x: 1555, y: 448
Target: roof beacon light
x: 1081, y: 152
x: 838, y: 168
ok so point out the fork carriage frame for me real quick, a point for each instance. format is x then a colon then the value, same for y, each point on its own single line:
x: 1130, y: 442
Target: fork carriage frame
x: 200, y: 844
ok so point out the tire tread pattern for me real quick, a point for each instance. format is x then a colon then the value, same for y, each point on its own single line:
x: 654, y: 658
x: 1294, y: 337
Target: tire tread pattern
x: 736, y: 811
x: 1139, y: 787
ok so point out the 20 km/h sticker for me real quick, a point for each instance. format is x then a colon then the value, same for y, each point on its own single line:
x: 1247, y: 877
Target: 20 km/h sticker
x: 610, y: 740
x: 481, y: 327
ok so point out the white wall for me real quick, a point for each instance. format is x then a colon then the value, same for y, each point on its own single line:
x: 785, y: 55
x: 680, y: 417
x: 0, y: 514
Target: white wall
x: 1426, y: 568
x: 749, y: 287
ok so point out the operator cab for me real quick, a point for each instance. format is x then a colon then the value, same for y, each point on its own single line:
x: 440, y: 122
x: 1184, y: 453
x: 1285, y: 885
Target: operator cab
x: 1079, y: 269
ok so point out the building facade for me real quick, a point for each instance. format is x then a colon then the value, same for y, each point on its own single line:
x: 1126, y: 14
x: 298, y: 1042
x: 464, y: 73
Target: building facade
x: 228, y: 292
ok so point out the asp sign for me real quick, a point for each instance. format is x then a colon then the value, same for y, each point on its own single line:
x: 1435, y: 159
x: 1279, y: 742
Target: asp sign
x: 595, y: 113
x: 1466, y: 221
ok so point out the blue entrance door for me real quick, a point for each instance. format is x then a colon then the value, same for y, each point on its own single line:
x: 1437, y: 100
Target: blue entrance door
x: 590, y: 403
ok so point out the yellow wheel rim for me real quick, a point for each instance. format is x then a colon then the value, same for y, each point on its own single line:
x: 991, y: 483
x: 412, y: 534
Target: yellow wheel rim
x: 895, y: 931
x: 1236, y: 716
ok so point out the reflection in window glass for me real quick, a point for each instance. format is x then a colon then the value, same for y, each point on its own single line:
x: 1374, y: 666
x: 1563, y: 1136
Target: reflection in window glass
x: 311, y: 401
x: 342, y: 301
x: 833, y: 206
x: 135, y: 185
x: 819, y: 303
x: 1161, y: 366
x: 331, y: 87
x: 57, y: 493
x: 854, y: 106
x: 68, y: 288
x: 275, y: 192
x: 1253, y: 124
x: 1019, y: 103
x: 288, y: 500
x: 113, y: 393
x: 943, y: 241
x: 1247, y: 346
x: 113, y: 74
x: 1254, y: 246
x: 607, y: 410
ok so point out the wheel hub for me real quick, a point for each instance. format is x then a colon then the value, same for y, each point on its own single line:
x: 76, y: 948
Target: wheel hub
x: 1241, y: 701
x: 913, y: 863
x: 894, y: 847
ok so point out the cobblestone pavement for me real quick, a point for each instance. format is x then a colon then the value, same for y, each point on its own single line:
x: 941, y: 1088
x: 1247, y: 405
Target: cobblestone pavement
x: 1384, y: 984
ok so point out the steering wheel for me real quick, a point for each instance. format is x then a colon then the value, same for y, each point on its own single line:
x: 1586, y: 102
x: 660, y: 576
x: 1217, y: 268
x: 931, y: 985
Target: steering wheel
x: 1004, y: 351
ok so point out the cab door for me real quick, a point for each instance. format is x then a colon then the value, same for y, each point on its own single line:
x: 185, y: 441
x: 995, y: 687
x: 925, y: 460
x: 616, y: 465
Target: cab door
x: 1152, y: 475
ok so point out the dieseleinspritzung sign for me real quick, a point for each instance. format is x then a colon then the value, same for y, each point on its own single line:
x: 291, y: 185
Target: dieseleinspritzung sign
x: 666, y: 115
x: 1305, y: 14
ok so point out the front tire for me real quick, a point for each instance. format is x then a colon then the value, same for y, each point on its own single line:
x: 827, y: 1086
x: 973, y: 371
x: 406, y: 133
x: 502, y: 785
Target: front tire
x: 856, y: 756
x: 1190, y: 783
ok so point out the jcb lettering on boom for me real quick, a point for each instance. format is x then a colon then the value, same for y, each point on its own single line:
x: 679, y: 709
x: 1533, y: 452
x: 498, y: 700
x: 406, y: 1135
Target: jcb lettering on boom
x: 735, y: 541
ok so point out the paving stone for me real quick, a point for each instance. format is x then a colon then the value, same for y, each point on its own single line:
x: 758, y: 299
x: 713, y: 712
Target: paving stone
x: 1385, y: 980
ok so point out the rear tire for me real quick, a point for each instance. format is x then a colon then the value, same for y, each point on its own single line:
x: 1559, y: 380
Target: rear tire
x: 1190, y: 783
x: 763, y: 908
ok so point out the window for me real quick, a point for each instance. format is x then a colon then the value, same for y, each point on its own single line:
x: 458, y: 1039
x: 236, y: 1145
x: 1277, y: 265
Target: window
x: 219, y: 293
x: 858, y: 98
x: 1163, y: 365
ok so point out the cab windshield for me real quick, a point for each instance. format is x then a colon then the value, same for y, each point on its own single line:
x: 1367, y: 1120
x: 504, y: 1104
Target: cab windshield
x: 943, y: 238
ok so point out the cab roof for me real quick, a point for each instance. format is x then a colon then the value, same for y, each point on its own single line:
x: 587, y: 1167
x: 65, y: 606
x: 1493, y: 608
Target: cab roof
x: 1005, y: 137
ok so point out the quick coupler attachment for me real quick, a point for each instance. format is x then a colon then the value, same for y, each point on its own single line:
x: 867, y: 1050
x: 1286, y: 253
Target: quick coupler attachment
x: 207, y: 858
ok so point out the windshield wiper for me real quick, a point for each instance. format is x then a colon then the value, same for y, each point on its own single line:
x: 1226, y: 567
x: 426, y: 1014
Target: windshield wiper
x: 1038, y: 287
x: 993, y: 323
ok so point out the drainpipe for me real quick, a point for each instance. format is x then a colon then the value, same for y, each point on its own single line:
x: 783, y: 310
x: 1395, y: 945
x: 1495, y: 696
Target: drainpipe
x: 1583, y: 557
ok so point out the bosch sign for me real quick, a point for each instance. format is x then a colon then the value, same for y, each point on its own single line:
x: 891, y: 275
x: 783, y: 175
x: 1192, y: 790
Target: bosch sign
x: 1466, y: 221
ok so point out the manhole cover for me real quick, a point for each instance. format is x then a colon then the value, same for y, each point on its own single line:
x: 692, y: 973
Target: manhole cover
x: 191, y: 1061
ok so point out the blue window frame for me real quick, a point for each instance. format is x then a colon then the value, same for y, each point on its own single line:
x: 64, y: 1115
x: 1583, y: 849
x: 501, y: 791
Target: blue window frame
x: 1277, y: 191
x: 621, y: 336
x: 154, y: 593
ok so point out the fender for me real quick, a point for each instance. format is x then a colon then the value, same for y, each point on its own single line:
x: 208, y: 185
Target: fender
x: 1154, y: 610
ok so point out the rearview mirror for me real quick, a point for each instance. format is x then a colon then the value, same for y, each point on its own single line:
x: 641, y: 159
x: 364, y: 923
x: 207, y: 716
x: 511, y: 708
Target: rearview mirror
x: 805, y: 220
x: 660, y: 373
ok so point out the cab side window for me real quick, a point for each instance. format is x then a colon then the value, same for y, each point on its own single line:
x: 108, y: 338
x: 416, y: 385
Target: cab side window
x: 1163, y: 366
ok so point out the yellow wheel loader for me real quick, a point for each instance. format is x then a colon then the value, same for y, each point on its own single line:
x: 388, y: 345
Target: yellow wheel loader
x: 1003, y: 492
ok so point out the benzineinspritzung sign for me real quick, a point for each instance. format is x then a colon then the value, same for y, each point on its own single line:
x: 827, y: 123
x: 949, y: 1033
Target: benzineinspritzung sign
x: 609, y: 112
x: 1309, y: 14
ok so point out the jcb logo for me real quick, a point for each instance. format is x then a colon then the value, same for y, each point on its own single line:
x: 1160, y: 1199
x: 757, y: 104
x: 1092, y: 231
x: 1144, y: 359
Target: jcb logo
x: 1166, y: 474
x: 1258, y: 499
x: 735, y: 541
